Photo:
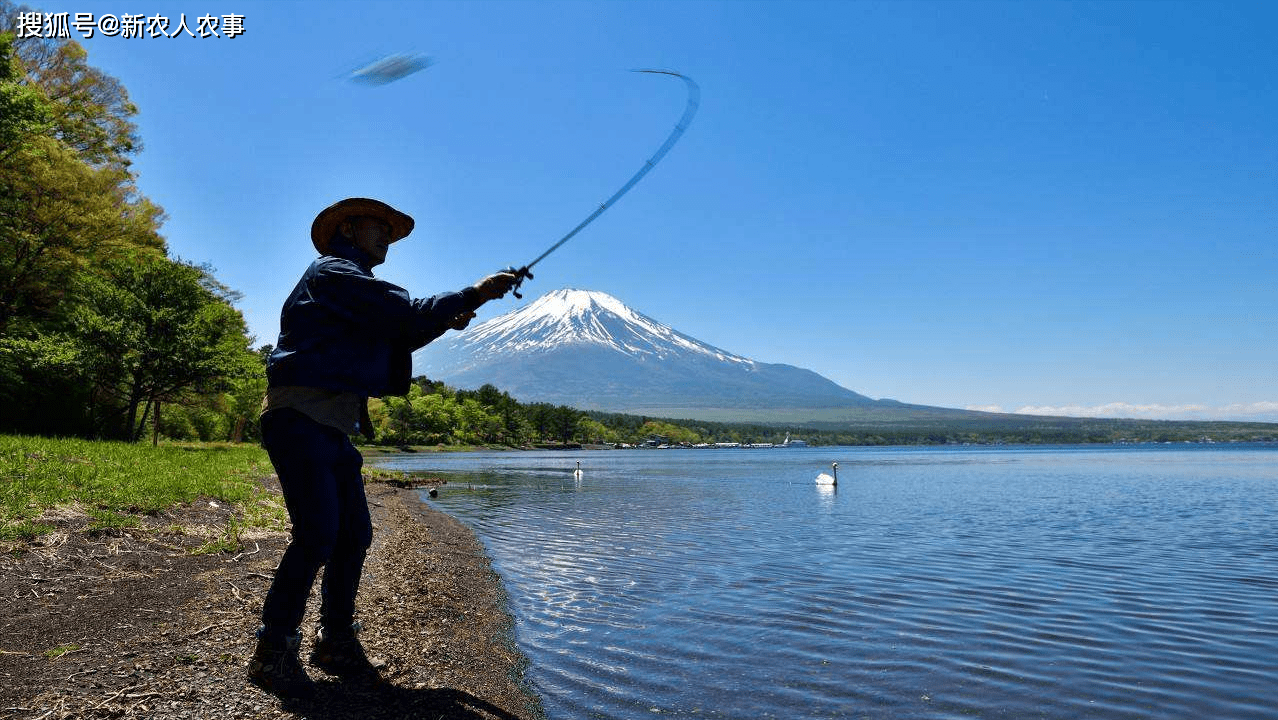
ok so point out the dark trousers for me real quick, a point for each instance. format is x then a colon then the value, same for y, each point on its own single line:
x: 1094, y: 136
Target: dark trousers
x: 319, y: 471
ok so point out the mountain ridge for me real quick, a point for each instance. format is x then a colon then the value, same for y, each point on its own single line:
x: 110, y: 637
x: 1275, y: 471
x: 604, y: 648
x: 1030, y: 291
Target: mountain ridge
x: 589, y: 350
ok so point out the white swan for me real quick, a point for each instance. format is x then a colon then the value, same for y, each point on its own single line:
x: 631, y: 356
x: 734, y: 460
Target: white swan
x: 576, y: 474
x: 826, y: 478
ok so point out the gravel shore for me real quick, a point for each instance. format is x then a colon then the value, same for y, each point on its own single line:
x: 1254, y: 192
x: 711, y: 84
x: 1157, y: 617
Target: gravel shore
x: 133, y: 625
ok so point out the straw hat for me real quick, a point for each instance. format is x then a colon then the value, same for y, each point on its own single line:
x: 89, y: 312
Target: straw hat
x: 330, y: 217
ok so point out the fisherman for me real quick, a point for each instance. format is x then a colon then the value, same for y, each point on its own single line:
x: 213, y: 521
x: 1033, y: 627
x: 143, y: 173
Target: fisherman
x: 345, y: 336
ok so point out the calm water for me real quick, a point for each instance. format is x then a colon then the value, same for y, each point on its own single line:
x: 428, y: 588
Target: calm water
x: 935, y: 583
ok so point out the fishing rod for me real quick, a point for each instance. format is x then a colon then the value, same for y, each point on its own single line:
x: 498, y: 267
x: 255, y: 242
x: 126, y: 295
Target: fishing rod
x: 689, y: 110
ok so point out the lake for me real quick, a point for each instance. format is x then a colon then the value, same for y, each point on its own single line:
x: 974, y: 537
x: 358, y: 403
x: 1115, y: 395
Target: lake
x: 991, y: 582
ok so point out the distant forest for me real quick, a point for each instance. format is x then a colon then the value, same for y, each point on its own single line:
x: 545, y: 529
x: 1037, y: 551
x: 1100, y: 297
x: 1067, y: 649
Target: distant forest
x: 435, y: 414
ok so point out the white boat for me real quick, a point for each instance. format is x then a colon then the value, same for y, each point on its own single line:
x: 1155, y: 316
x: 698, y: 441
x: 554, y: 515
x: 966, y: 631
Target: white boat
x: 793, y: 443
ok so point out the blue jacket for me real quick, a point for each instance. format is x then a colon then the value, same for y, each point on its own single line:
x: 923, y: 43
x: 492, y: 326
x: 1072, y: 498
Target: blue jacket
x: 343, y: 329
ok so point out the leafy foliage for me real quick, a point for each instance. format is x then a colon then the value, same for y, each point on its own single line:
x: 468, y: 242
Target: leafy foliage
x: 61, y: 218
x: 97, y: 323
x: 24, y: 111
x: 157, y: 330
x: 90, y: 111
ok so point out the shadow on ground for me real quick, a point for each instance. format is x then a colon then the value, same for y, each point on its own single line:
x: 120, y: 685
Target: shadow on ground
x: 338, y: 701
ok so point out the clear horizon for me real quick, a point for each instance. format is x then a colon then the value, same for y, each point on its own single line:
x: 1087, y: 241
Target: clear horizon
x: 1047, y: 208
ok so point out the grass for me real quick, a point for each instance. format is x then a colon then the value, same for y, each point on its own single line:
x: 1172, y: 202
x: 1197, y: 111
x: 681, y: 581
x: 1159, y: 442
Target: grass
x: 229, y: 542
x: 109, y: 520
x: 59, y: 651
x: 115, y: 483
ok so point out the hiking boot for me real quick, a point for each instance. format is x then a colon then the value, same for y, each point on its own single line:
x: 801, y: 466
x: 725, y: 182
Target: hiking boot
x: 275, y: 668
x: 338, y: 652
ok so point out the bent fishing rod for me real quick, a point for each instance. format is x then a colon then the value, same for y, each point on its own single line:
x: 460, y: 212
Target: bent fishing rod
x: 689, y: 110
x: 394, y: 67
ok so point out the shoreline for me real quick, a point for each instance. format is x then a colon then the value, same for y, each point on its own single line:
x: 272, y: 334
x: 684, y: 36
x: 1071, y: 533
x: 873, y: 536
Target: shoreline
x: 373, y: 451
x: 132, y: 624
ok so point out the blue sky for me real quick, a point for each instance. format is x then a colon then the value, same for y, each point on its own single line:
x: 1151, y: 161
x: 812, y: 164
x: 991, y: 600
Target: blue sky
x: 1028, y: 206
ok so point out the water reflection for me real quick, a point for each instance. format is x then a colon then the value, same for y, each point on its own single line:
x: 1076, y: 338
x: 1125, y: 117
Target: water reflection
x: 827, y: 494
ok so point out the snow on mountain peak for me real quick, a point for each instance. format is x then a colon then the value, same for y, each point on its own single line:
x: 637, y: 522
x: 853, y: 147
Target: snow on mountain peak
x: 569, y: 303
x: 576, y: 317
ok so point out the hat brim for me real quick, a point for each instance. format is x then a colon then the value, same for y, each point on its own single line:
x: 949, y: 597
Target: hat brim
x: 327, y: 222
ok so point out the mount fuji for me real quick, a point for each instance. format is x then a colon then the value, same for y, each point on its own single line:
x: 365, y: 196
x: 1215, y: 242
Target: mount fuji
x: 588, y: 350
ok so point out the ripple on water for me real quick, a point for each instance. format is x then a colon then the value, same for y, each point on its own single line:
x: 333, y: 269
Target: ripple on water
x: 1016, y: 583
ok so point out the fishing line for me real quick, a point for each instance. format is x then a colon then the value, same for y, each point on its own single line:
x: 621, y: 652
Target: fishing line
x: 689, y: 110
x: 395, y: 67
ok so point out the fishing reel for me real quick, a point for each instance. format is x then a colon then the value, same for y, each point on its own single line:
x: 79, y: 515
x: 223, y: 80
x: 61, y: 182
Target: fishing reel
x: 520, y: 274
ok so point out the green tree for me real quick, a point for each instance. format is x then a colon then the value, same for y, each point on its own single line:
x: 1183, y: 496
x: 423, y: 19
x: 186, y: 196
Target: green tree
x: 43, y: 385
x: 392, y: 419
x: 514, y: 426
x: 196, y: 416
x: 24, y: 111
x: 159, y: 331
x: 67, y: 199
x: 433, y: 415
x: 419, y: 418
x: 541, y: 417
x: 244, y: 399
x: 475, y: 424
x: 670, y: 431
x: 593, y: 431
x: 95, y: 321
x: 91, y: 111
x: 59, y: 219
x: 564, y: 423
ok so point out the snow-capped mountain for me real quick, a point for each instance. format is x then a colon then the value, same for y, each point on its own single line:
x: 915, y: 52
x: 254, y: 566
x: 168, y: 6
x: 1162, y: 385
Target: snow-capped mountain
x: 583, y: 317
x: 588, y: 350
